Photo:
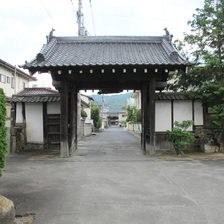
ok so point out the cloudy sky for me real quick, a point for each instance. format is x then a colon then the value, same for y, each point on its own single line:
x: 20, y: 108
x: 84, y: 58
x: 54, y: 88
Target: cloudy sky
x: 25, y: 24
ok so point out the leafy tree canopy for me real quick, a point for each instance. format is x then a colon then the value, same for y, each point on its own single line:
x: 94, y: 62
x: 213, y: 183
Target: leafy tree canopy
x: 83, y: 114
x: 133, y: 114
x: 95, y: 115
x: 205, y: 79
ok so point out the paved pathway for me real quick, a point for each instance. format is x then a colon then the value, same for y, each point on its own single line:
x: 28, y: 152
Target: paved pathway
x: 109, y: 181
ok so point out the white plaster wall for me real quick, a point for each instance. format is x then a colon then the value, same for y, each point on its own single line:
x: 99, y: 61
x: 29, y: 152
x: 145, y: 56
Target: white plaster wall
x: 19, y: 116
x: 163, y: 115
x: 53, y: 108
x: 34, y: 122
x: 88, y: 112
x: 88, y: 121
x: 182, y: 111
x: 198, y: 114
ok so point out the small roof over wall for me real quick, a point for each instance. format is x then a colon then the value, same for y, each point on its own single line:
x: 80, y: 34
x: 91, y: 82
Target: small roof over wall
x: 171, y: 96
x: 36, y: 95
x: 40, y: 94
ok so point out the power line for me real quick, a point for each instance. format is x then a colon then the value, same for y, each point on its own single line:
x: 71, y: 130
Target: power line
x: 50, y: 15
x: 73, y: 7
x: 134, y: 17
x: 92, y: 17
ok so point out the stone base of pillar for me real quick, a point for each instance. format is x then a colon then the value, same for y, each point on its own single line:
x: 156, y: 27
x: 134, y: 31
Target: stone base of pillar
x: 7, y: 211
x: 64, y: 150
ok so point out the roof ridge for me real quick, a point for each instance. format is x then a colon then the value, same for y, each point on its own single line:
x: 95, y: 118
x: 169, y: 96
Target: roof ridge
x: 113, y: 39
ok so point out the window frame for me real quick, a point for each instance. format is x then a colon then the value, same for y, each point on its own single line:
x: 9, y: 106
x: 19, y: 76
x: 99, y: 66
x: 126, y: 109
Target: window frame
x: 12, y: 81
x: 8, y: 79
x: 2, y: 78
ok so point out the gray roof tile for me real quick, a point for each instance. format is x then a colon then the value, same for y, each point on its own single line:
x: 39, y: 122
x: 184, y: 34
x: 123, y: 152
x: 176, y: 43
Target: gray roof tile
x: 108, y: 50
x: 171, y: 96
x: 35, y: 95
x: 35, y: 99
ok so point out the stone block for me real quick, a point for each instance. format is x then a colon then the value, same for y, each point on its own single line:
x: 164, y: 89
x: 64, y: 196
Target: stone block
x: 7, y: 211
x: 211, y: 148
x: 13, y: 144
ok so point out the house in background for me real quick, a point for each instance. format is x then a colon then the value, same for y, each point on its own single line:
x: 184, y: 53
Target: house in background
x: 12, y: 80
x: 87, y: 124
x: 112, y: 119
x: 104, y: 114
x: 86, y: 105
x: 137, y: 97
x: 122, y: 116
x: 36, y: 119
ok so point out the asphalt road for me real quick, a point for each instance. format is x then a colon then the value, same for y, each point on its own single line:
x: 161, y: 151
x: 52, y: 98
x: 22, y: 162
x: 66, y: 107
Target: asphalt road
x: 108, y: 181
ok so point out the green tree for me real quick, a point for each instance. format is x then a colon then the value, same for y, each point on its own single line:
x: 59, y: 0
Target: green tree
x: 139, y: 116
x: 95, y: 115
x: 205, y: 79
x: 131, y: 114
x: 83, y: 114
x: 3, y: 131
x: 179, y: 137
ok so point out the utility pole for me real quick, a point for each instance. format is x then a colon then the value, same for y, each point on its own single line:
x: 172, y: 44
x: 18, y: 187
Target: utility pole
x: 81, y: 32
x: 102, y: 110
x: 80, y: 20
x: 15, y: 80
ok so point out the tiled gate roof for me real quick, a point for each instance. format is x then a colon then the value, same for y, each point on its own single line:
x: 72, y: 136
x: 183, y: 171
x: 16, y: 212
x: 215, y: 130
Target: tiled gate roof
x: 107, y: 50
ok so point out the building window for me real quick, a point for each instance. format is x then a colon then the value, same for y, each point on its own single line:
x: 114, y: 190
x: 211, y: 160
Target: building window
x: 123, y: 115
x: 8, y: 79
x: 12, y: 81
x: 24, y: 85
x: 2, y: 77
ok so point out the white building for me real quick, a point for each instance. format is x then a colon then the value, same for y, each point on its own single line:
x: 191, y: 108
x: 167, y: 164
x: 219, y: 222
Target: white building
x: 12, y: 79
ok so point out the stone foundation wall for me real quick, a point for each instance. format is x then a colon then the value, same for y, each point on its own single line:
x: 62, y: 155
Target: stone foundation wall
x: 86, y: 128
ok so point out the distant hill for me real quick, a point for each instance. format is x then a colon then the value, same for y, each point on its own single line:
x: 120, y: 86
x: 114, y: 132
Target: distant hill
x: 114, y: 102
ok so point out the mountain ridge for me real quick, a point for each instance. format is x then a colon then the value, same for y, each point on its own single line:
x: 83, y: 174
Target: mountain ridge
x: 115, y: 102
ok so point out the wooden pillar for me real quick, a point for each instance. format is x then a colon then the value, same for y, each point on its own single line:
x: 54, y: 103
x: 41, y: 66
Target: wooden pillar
x: 151, y: 116
x: 73, y: 142
x: 144, y: 117
x: 45, y: 129
x: 64, y: 149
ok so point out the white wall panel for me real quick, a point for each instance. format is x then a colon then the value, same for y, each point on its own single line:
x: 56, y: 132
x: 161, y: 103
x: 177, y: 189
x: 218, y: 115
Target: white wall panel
x: 34, y: 122
x: 19, y: 116
x: 163, y: 115
x: 198, y: 113
x: 182, y: 111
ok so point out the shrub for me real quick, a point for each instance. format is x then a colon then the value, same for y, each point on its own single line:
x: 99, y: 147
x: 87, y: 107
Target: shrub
x: 179, y: 137
x: 83, y: 114
x: 3, y: 131
x: 139, y: 116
